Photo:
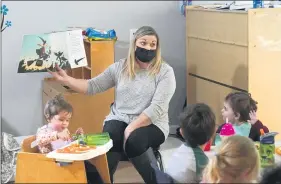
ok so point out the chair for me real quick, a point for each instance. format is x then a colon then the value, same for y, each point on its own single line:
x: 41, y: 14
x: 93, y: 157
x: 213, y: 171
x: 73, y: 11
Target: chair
x: 157, y: 156
x: 33, y: 167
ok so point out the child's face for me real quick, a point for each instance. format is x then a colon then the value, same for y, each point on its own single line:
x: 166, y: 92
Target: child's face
x: 227, y: 113
x: 61, y: 121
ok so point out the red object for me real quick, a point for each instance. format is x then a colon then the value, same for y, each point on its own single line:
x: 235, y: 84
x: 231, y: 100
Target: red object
x: 227, y: 130
x: 208, y: 146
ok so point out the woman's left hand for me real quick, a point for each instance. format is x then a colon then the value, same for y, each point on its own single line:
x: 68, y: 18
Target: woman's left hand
x: 127, y: 133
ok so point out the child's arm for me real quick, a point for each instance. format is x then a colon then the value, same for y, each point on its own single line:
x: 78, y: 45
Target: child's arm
x: 46, y: 136
x: 255, y: 130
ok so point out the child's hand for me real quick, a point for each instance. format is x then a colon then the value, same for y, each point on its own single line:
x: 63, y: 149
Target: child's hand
x: 64, y: 135
x: 79, y: 131
x: 253, y: 117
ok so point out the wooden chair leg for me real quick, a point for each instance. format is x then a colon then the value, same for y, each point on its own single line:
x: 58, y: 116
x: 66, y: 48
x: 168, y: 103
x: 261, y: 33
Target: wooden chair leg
x: 101, y: 164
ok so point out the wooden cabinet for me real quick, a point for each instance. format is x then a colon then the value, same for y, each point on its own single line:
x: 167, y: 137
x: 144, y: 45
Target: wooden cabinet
x: 89, y: 111
x: 235, y: 51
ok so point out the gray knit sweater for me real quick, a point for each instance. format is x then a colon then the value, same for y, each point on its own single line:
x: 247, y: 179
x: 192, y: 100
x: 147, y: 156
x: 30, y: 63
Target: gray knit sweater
x: 146, y: 94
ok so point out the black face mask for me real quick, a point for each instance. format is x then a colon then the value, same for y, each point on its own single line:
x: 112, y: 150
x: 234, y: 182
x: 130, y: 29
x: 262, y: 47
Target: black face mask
x: 144, y: 55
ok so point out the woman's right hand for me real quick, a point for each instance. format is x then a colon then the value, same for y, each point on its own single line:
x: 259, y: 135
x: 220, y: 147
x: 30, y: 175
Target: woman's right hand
x: 60, y: 75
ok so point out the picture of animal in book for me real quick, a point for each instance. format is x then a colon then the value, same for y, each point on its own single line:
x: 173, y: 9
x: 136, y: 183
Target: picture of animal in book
x: 41, y: 52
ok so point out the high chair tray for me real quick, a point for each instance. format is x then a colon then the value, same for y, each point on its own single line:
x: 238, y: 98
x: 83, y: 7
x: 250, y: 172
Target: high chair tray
x: 99, y: 150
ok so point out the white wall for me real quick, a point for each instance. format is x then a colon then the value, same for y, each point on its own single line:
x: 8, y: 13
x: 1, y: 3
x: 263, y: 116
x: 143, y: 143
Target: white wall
x: 21, y: 93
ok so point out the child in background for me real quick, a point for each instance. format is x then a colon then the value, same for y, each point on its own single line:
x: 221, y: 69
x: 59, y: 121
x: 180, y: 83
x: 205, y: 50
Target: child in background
x: 236, y: 161
x: 188, y: 161
x: 55, y: 134
x: 240, y: 109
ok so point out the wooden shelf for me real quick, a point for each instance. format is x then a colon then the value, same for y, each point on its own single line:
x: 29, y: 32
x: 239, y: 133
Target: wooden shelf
x: 100, y: 54
x: 89, y: 111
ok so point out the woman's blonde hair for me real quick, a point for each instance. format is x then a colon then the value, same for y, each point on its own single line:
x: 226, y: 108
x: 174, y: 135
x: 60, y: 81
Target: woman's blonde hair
x: 236, y: 158
x: 155, y: 65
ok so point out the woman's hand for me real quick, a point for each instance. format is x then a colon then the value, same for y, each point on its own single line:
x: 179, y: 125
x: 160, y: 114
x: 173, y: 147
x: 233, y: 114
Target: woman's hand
x: 253, y: 117
x: 127, y: 133
x: 60, y: 75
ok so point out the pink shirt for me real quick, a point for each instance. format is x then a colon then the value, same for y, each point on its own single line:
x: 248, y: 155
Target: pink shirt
x: 47, y: 141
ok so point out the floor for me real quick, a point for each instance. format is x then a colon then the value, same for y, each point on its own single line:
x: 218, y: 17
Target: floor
x: 126, y: 173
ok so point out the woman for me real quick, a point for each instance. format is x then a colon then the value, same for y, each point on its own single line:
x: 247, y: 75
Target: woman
x: 144, y: 85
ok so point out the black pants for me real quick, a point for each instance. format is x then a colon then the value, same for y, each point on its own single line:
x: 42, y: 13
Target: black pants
x: 137, y: 143
x: 92, y: 174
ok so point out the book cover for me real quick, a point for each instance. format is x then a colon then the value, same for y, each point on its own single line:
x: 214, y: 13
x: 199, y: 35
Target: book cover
x: 42, y: 51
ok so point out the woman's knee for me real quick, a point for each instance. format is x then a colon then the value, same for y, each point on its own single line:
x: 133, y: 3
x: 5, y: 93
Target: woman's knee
x: 116, y: 132
x: 136, y: 144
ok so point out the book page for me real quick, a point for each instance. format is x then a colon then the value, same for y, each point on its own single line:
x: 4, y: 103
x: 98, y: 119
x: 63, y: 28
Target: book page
x: 40, y: 52
x: 76, y: 49
x: 60, y: 54
x: 35, y: 54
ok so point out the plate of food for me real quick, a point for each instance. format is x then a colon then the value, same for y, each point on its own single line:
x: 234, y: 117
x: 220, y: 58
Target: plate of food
x: 76, y: 148
x: 76, y: 151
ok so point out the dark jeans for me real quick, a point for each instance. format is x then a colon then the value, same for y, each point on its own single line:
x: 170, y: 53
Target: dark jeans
x: 137, y: 143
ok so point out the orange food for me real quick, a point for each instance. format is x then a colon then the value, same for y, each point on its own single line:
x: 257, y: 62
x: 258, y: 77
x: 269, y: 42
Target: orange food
x: 278, y: 150
x: 75, y: 149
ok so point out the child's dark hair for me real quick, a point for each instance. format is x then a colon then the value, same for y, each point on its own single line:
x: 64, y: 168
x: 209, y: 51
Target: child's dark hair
x: 272, y: 177
x: 55, y: 106
x: 241, y: 103
x: 197, y: 124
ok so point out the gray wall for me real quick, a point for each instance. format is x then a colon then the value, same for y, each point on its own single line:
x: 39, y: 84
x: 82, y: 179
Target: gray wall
x: 21, y: 93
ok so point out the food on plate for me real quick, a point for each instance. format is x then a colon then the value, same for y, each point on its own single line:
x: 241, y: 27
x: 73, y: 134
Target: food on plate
x: 278, y: 150
x: 76, y: 149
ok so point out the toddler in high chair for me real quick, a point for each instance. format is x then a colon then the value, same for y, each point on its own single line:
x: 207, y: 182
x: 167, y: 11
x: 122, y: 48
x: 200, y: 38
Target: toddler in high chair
x: 240, y: 110
x: 55, y: 134
x: 236, y: 161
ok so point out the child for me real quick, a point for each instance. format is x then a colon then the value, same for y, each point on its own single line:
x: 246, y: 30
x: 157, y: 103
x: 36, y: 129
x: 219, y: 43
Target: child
x: 55, y: 134
x: 188, y: 161
x: 236, y: 161
x: 240, y: 109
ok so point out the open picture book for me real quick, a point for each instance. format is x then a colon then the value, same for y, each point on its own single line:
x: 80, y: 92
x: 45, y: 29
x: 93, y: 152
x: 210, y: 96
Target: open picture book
x: 42, y: 51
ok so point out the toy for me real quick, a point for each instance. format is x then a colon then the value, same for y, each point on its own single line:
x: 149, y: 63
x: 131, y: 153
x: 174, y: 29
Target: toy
x: 267, y: 149
x: 207, y: 146
x: 257, y: 144
x: 92, y: 139
x: 227, y: 130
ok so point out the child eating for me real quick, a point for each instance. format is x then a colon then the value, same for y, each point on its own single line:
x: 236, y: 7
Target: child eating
x: 236, y: 161
x: 55, y: 134
x: 240, y: 110
x: 188, y: 161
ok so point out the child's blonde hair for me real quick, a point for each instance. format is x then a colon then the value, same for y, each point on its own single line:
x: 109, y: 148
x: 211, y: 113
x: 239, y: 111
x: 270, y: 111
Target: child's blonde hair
x: 236, y: 158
